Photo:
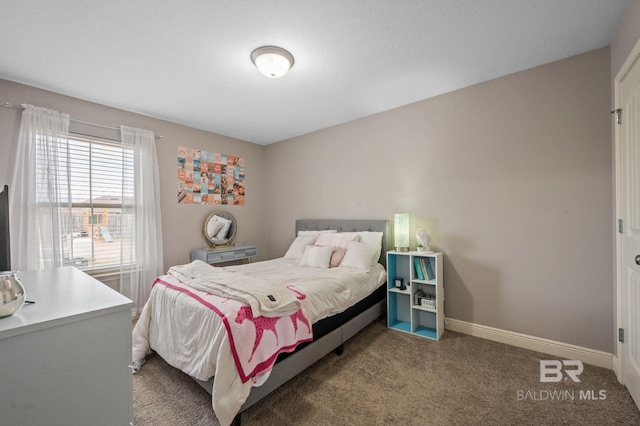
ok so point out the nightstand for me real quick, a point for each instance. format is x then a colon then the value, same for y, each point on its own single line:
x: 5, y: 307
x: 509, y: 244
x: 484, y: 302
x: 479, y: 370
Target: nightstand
x: 225, y: 254
x: 415, y: 293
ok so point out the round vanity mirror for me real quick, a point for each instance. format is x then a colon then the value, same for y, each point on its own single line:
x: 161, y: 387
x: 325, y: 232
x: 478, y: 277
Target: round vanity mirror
x: 220, y: 228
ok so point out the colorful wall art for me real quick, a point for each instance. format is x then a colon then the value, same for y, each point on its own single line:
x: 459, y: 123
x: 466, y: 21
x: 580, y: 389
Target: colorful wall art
x: 206, y: 177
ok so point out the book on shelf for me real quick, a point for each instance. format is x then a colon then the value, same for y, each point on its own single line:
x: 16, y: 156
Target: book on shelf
x: 428, y: 272
x: 419, y: 271
x: 426, y: 266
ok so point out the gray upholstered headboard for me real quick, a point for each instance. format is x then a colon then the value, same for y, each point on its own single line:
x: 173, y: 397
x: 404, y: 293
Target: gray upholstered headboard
x: 350, y: 225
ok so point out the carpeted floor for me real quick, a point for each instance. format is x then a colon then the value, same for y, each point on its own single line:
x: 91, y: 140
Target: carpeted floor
x: 386, y: 377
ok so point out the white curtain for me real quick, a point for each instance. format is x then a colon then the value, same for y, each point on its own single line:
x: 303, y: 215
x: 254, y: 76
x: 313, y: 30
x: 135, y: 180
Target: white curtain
x: 41, y: 201
x: 39, y: 221
x: 141, y: 261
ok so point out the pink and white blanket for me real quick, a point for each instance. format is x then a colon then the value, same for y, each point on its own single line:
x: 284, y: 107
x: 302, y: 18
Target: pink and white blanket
x: 255, y: 341
x: 191, y: 336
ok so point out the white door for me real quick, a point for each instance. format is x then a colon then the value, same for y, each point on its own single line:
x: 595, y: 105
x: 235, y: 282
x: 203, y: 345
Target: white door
x: 628, y: 205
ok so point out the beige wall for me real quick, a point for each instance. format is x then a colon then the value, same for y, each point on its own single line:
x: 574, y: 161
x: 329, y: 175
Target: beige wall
x: 182, y: 224
x: 512, y: 178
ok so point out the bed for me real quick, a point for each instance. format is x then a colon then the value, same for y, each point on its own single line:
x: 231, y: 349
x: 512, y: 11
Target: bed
x: 179, y: 325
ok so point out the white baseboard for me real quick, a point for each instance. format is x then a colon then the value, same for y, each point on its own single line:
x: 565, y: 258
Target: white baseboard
x: 616, y: 369
x: 538, y: 344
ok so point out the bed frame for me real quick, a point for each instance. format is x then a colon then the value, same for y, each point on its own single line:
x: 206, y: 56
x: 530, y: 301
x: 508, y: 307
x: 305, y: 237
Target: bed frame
x: 287, y: 367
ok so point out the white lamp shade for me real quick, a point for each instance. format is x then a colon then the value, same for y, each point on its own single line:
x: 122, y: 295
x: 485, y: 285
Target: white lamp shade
x: 401, y: 231
x: 272, y: 62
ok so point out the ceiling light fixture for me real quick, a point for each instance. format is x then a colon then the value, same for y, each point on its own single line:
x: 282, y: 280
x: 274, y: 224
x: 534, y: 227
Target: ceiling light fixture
x: 273, y: 62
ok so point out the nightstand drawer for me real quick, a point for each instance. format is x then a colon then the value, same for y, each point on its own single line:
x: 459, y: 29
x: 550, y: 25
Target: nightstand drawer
x: 248, y: 252
x: 219, y: 257
x: 225, y: 254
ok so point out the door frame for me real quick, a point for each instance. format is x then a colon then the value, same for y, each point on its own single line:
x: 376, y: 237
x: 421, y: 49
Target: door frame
x: 621, y: 311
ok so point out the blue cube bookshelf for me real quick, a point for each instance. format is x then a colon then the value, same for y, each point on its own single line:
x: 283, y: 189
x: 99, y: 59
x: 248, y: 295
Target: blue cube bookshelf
x: 421, y: 276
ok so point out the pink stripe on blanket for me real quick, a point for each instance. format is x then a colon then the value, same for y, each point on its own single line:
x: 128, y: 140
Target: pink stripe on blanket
x: 253, y: 350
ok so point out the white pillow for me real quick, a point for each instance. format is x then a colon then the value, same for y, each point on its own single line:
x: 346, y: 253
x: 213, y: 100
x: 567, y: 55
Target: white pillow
x: 213, y: 227
x: 373, y: 238
x: 340, y: 239
x: 296, y: 249
x: 316, y: 232
x: 316, y: 256
x: 360, y: 256
x: 226, y: 224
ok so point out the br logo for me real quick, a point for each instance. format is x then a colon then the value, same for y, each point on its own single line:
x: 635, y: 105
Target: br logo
x: 554, y: 370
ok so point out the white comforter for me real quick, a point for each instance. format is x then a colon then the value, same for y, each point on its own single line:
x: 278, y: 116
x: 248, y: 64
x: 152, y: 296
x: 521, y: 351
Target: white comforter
x: 192, y: 337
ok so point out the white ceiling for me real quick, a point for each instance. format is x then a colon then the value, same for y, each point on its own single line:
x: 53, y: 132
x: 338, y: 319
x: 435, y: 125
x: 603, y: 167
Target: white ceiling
x: 188, y: 61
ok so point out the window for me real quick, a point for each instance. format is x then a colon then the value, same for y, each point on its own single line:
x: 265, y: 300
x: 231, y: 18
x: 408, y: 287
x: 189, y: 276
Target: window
x: 93, y: 201
x: 89, y: 202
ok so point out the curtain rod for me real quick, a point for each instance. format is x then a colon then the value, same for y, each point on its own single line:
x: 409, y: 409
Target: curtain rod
x: 21, y: 108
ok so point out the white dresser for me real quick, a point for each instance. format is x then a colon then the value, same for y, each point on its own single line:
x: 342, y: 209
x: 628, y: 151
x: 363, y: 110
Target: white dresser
x: 64, y: 359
